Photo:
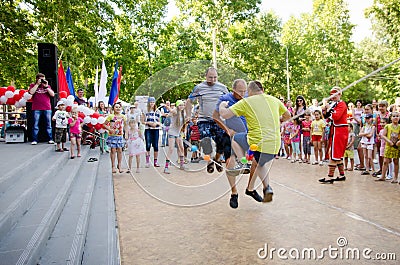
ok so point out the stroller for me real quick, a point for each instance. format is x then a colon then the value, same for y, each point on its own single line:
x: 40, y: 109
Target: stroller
x: 92, y: 138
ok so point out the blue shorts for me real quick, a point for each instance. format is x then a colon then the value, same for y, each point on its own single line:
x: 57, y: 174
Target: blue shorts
x: 241, y: 139
x: 263, y: 158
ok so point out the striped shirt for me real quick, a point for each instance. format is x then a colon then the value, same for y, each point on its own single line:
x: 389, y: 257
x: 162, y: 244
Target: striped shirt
x: 152, y: 116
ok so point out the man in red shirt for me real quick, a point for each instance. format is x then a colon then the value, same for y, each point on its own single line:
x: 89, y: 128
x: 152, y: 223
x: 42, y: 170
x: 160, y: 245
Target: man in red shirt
x: 41, y: 105
x: 339, y: 132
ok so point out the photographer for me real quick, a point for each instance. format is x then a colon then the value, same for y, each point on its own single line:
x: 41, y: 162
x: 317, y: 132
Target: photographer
x: 41, y: 106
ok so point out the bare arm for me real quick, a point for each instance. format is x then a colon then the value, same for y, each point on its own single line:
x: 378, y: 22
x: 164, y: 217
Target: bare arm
x: 224, y: 111
x: 189, y: 107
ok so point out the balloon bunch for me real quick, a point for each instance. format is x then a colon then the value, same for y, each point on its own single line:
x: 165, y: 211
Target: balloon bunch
x: 250, y: 154
x: 11, y: 96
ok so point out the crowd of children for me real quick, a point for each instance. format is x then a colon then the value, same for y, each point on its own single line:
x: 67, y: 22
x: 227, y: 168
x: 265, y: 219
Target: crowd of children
x: 373, y: 131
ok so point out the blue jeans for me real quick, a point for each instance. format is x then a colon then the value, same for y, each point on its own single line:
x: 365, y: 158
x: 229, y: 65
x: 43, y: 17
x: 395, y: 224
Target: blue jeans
x: 164, y: 139
x: 152, y: 137
x: 36, y: 117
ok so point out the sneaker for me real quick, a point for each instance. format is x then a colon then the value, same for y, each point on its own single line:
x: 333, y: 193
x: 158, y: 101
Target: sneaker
x: 315, y: 163
x: 375, y: 161
x: 377, y: 173
x: 51, y: 142
x: 268, y: 194
x: 34, y: 143
x: 389, y: 177
x: 254, y: 194
x: 289, y: 157
x: 233, y: 202
x: 166, y: 170
x: 321, y: 163
x: 156, y: 164
x: 138, y: 170
x: 292, y: 161
x: 196, y: 160
x: 247, y: 169
x: 147, y: 165
x: 236, y: 170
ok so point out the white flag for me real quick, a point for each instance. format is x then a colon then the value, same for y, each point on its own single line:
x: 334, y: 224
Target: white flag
x: 103, y: 83
x: 96, y: 87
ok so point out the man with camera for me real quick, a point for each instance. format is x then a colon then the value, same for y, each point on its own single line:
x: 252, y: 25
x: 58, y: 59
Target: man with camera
x: 41, y: 106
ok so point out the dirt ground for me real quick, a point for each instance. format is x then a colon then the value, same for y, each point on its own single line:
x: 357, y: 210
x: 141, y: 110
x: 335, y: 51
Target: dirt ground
x: 185, y: 218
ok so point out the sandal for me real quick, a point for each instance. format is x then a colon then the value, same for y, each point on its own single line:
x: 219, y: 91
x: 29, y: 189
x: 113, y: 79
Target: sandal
x: 114, y: 170
x: 72, y: 157
x: 59, y: 150
x: 380, y: 179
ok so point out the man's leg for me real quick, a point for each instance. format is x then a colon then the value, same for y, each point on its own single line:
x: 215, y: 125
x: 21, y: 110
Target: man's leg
x: 48, y: 125
x: 264, y: 163
x: 35, y: 131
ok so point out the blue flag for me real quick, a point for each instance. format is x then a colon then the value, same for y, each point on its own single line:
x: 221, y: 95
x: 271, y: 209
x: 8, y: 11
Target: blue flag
x: 114, y: 86
x: 70, y: 82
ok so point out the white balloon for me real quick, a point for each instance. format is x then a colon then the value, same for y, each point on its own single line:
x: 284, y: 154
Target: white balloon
x: 91, y: 112
x: 101, y: 119
x: 101, y: 131
x: 69, y: 102
x: 9, y: 94
x: 27, y: 96
x: 22, y: 102
x: 17, y: 105
x: 80, y: 108
x: 64, y: 101
x: 94, y: 121
x: 86, y: 111
x: 71, y: 98
x: 3, y: 99
x: 16, y: 92
x: 87, y: 119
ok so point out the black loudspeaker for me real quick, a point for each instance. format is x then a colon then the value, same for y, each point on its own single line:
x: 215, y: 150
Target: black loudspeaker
x: 48, y: 65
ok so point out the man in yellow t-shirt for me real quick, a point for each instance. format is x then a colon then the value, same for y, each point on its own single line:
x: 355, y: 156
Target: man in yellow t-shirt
x: 263, y: 114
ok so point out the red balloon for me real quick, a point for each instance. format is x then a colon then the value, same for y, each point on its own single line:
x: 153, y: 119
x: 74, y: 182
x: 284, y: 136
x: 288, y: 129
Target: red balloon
x: 17, y: 97
x: 69, y: 108
x: 11, y: 88
x: 98, y: 126
x: 81, y: 115
x: 2, y: 91
x: 22, y: 92
x: 63, y: 94
x: 95, y: 115
x: 10, y: 101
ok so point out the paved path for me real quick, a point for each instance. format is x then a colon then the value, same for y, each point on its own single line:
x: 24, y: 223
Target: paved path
x: 303, y: 214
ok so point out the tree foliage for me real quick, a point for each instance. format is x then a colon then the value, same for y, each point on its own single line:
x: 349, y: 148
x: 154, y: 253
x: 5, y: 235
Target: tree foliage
x: 136, y: 34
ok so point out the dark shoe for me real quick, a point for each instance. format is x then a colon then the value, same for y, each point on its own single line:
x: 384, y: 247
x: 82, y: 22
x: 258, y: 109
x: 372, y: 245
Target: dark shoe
x: 324, y: 180
x: 210, y: 167
x: 360, y: 168
x: 254, y: 194
x: 59, y: 150
x: 218, y: 167
x: 267, y: 194
x: 65, y: 149
x: 233, y: 202
x: 340, y: 178
x: 365, y: 173
x: 72, y: 157
x: 377, y: 173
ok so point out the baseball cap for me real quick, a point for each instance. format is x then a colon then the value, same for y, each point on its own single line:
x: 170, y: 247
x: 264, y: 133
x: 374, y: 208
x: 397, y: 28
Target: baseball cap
x: 336, y: 89
x: 151, y: 99
x: 369, y: 116
x: 60, y: 103
x: 179, y: 102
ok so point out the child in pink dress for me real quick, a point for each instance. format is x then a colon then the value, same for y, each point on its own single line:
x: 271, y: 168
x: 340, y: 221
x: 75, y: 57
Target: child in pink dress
x: 75, y: 129
x: 135, y: 143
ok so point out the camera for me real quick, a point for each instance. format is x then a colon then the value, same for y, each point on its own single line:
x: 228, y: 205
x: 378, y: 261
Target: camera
x: 43, y: 81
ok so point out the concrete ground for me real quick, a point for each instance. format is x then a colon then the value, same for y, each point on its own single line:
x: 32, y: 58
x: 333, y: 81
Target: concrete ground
x: 185, y: 218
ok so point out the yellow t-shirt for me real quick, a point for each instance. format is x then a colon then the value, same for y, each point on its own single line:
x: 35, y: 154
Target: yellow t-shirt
x: 262, y: 114
x: 318, y: 126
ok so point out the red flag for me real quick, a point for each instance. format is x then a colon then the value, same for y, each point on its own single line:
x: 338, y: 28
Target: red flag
x: 118, y: 83
x: 62, y: 80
